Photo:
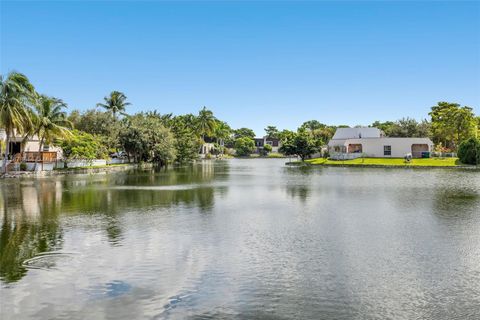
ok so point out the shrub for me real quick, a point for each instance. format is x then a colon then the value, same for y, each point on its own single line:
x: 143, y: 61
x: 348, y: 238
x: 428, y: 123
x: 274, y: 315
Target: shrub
x: 23, y: 166
x: 266, y: 150
x: 275, y: 155
x: 244, y: 146
x: 469, y: 151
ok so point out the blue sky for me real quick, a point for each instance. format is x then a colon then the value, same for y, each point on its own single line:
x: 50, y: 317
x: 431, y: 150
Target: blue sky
x: 253, y: 63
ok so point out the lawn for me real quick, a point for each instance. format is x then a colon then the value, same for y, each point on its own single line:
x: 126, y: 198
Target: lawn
x: 430, y: 162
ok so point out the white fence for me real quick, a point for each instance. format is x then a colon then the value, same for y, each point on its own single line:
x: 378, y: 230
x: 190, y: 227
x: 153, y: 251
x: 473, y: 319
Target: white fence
x: 78, y: 163
x: 117, y: 161
x: 443, y: 154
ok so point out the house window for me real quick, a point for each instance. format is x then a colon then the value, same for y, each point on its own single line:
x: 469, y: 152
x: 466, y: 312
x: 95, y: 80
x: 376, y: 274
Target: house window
x: 387, y: 150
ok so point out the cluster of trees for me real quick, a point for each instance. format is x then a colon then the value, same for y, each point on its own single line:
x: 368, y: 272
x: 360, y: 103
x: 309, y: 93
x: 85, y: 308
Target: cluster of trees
x: 449, y: 125
x: 151, y: 136
x: 164, y: 138
x: 25, y: 112
x: 107, y: 129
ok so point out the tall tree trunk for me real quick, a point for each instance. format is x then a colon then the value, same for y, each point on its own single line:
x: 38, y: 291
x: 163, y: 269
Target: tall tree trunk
x: 7, y: 150
x: 39, y: 153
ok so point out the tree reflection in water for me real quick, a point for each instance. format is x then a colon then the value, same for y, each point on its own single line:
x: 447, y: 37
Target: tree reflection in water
x: 31, y: 209
x: 29, y: 225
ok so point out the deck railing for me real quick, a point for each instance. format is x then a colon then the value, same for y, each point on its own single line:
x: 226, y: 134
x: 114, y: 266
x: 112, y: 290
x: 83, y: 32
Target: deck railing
x: 40, y: 157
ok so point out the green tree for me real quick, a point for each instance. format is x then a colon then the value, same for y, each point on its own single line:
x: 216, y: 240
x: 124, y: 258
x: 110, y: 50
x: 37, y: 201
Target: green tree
x: 266, y: 149
x: 272, y: 132
x: 451, y: 124
x: 82, y: 145
x: 384, y: 126
x: 17, y: 95
x: 51, y: 122
x: 206, y: 123
x: 222, y: 132
x: 148, y: 140
x: 188, y: 142
x: 312, y: 125
x: 243, y: 133
x: 115, y: 103
x: 300, y: 144
x: 285, y: 135
x: 99, y: 123
x: 469, y: 151
x: 408, y: 127
x: 244, y: 146
x: 187, y: 146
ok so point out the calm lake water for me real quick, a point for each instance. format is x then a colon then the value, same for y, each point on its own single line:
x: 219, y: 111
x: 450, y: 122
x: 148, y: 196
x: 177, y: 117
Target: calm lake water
x: 242, y: 239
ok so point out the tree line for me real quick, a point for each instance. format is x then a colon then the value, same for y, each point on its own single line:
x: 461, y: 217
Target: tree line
x: 165, y: 138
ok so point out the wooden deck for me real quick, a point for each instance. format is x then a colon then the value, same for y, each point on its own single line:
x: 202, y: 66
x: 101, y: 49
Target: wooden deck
x: 40, y: 157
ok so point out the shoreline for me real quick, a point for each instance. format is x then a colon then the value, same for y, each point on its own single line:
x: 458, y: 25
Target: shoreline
x: 67, y: 171
x: 387, y: 166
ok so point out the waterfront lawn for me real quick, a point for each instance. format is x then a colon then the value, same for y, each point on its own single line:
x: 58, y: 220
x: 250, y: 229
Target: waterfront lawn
x: 429, y: 162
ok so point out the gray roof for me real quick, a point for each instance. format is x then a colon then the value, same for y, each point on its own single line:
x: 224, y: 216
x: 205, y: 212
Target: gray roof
x: 355, y: 133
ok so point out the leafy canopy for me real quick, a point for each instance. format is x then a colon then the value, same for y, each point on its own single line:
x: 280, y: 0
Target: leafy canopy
x: 469, y: 151
x: 300, y: 144
x: 244, y: 146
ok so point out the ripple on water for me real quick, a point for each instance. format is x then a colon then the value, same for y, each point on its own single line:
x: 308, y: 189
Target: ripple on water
x: 48, y: 260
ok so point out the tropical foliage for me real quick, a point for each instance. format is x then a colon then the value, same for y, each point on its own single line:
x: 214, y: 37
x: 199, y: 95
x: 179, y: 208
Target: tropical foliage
x: 206, y: 122
x: 452, y: 124
x: 115, y: 103
x: 244, y: 146
x: 300, y: 144
x: 272, y: 132
x: 17, y: 95
x: 405, y: 127
x: 147, y: 139
x: 469, y: 151
x: 243, y: 133
x: 82, y: 145
x: 167, y: 138
x: 266, y: 149
x: 51, y: 121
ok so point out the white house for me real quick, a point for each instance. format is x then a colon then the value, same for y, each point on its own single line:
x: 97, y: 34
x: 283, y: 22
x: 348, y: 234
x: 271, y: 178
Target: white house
x: 28, y: 151
x: 371, y: 142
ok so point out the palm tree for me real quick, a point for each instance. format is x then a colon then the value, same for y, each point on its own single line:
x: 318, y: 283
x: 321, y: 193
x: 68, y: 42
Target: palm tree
x: 115, y: 103
x: 206, y: 122
x: 16, y: 96
x: 51, y: 122
x: 222, y: 131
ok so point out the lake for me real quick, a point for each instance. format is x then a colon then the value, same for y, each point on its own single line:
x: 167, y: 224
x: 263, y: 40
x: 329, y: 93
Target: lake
x: 242, y: 239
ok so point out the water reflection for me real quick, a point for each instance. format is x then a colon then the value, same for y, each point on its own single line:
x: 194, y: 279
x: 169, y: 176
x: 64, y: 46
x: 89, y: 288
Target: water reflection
x: 31, y: 209
x: 243, y: 239
x: 29, y: 226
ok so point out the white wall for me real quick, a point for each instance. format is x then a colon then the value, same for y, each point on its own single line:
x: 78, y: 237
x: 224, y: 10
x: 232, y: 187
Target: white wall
x: 400, y: 146
x: 86, y: 163
x: 117, y: 161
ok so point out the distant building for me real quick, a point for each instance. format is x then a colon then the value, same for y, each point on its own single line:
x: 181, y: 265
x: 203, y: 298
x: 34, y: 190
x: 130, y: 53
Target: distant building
x: 371, y: 142
x: 31, y: 145
x: 261, y: 142
x: 20, y: 151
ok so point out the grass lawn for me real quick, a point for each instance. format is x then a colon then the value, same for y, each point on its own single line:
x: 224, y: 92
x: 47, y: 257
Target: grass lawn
x: 430, y: 162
